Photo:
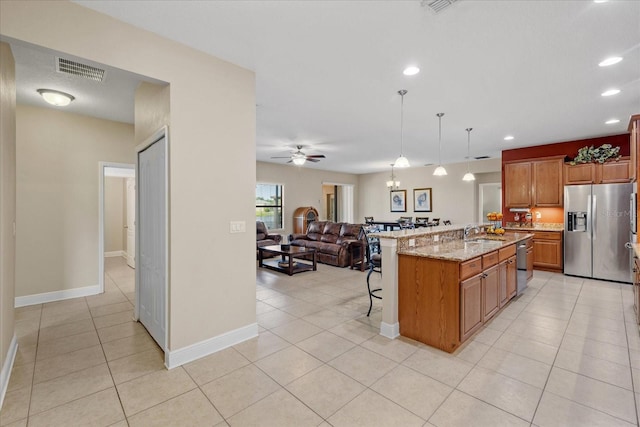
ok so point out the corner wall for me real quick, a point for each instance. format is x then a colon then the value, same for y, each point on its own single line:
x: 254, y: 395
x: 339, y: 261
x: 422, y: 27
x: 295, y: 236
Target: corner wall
x: 7, y: 212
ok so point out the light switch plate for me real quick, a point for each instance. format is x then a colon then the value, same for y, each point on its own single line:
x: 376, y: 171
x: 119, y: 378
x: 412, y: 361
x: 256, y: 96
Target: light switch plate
x: 237, y: 227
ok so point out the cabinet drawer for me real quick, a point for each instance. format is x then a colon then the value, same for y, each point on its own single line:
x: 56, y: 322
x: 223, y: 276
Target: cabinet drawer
x: 470, y: 268
x: 547, y: 235
x: 505, y: 253
x: 489, y: 260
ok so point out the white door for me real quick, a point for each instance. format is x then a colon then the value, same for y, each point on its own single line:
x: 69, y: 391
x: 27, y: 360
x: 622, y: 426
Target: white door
x: 152, y: 239
x: 131, y: 222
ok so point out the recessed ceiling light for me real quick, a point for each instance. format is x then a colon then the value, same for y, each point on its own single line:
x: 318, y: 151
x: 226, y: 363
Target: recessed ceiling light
x: 508, y: 138
x: 411, y: 71
x: 600, y: 1
x: 610, y: 92
x: 612, y: 122
x: 610, y: 61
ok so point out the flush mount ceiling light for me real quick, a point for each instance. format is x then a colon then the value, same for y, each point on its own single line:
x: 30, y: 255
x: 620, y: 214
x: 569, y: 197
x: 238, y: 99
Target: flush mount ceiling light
x: 612, y: 122
x: 392, y: 184
x: 610, y: 92
x: 468, y: 176
x: 610, y: 61
x: 440, y: 171
x: 402, y: 161
x: 55, y: 97
x: 411, y: 71
x: 298, y: 159
x: 600, y: 1
x: 508, y: 138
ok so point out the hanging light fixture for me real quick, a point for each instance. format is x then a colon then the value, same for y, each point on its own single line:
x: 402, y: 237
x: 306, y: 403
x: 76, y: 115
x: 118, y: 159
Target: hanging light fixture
x: 440, y: 171
x: 468, y: 176
x: 402, y: 161
x: 392, y: 184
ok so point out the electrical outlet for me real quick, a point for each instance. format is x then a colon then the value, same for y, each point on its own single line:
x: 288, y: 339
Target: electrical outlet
x: 412, y: 242
x: 436, y: 238
x: 538, y: 215
x: 237, y: 227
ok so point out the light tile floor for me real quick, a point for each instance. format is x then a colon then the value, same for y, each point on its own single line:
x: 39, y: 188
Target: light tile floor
x: 565, y: 353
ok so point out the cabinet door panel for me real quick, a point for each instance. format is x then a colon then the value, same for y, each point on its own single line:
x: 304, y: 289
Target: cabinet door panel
x: 547, y: 183
x: 579, y: 174
x: 612, y: 172
x: 471, y: 306
x: 517, y: 185
x: 547, y: 254
x: 490, y: 292
x: 512, y: 277
x: 502, y: 269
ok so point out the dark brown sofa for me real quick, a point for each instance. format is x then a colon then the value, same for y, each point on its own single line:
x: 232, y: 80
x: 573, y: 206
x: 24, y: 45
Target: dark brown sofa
x: 330, y: 240
x: 263, y: 238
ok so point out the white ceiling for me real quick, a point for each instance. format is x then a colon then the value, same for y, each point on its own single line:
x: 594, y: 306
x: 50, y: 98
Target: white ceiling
x: 328, y: 72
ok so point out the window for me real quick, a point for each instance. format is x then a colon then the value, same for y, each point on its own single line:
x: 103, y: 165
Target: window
x: 269, y: 205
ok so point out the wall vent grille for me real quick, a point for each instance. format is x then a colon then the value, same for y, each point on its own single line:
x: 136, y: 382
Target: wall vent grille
x: 437, y: 5
x: 78, y: 69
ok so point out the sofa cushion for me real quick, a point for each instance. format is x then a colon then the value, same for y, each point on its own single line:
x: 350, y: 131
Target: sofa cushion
x: 332, y: 228
x: 315, y: 230
x: 267, y: 242
x: 260, y: 236
x: 351, y: 230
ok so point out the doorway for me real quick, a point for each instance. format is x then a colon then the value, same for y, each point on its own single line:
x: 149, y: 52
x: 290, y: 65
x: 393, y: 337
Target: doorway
x: 113, y: 209
x: 338, y: 202
x: 489, y: 199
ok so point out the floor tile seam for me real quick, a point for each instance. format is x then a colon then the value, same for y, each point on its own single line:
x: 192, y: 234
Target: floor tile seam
x: 598, y: 379
x: 68, y: 402
x: 115, y: 312
x: 195, y: 386
x: 595, y: 339
x: 493, y: 405
x: 237, y: 412
x: 589, y: 407
x: 400, y: 404
x: 599, y: 358
x: 594, y: 379
x: 435, y: 379
x: 144, y: 331
x: 529, y: 339
x: 67, y: 336
x: 316, y: 334
x: 60, y: 376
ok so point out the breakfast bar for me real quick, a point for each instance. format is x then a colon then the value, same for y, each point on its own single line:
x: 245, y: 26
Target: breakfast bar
x: 439, y: 288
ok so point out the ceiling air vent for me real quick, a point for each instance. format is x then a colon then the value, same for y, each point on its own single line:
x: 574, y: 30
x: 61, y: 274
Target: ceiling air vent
x: 437, y: 5
x: 77, y: 69
x: 481, y: 157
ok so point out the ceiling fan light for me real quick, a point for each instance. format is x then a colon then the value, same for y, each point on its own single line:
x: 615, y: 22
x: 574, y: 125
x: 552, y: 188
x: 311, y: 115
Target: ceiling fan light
x: 298, y: 160
x: 401, y: 162
x: 55, y: 97
x: 440, y: 171
x: 468, y: 177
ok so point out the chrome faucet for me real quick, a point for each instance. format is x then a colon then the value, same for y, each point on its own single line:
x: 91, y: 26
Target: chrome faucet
x: 468, y: 228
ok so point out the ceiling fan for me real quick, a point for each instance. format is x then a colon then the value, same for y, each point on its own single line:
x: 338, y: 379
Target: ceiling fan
x: 298, y: 158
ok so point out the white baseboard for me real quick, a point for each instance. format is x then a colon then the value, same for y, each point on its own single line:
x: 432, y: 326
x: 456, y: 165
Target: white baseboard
x: 112, y: 254
x: 5, y: 374
x: 175, y: 358
x: 56, y: 296
x: 390, y: 330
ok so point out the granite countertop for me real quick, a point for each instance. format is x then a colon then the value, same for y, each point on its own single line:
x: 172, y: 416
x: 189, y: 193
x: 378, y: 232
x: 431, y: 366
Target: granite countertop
x: 460, y: 250
x: 536, y: 227
x: 421, y: 231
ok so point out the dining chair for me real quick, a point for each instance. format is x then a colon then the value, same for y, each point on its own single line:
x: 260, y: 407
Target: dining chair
x: 368, y: 219
x: 446, y: 222
x: 374, y: 258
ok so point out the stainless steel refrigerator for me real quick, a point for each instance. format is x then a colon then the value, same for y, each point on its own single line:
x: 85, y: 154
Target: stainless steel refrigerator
x: 597, y: 225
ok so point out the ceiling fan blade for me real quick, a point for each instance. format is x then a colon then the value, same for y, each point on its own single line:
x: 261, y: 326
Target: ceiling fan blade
x: 287, y: 157
x: 316, y: 156
x: 312, y: 160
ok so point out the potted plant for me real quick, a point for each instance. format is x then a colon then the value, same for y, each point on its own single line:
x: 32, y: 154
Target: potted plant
x: 600, y: 155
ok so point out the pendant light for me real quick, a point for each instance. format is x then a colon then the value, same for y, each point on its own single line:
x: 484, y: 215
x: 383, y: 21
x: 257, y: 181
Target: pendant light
x: 402, y: 161
x: 393, y: 184
x: 468, y: 176
x: 440, y: 171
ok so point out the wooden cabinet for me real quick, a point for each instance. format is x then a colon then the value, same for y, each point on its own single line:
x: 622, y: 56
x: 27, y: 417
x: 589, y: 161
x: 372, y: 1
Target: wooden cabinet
x: 490, y: 292
x: 508, y: 271
x: 529, y: 259
x: 547, y: 182
x: 533, y: 183
x: 547, y: 250
x: 471, y: 306
x: 302, y: 217
x: 517, y: 184
x: 597, y: 173
x: 634, y: 145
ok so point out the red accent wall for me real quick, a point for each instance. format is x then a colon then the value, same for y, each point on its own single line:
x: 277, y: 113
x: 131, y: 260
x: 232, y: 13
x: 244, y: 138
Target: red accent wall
x: 570, y: 149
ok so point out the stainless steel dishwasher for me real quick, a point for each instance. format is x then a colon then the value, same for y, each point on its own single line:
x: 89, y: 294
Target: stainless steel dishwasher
x: 521, y: 261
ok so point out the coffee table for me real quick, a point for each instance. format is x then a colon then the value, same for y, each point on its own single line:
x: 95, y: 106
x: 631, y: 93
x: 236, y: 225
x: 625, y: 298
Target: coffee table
x: 289, y: 261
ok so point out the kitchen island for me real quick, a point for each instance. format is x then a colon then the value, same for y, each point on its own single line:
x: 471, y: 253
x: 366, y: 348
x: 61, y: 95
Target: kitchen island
x: 441, y: 288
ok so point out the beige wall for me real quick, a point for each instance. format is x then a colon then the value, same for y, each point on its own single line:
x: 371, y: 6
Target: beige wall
x: 58, y: 157
x: 302, y: 187
x: 212, y: 106
x: 114, y: 214
x: 452, y: 198
x: 152, y: 110
x: 7, y: 200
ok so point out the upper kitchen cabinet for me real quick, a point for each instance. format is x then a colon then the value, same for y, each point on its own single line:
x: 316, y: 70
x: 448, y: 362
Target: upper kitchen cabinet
x: 598, y: 173
x: 547, y: 182
x: 517, y: 184
x: 634, y: 146
x: 533, y: 183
